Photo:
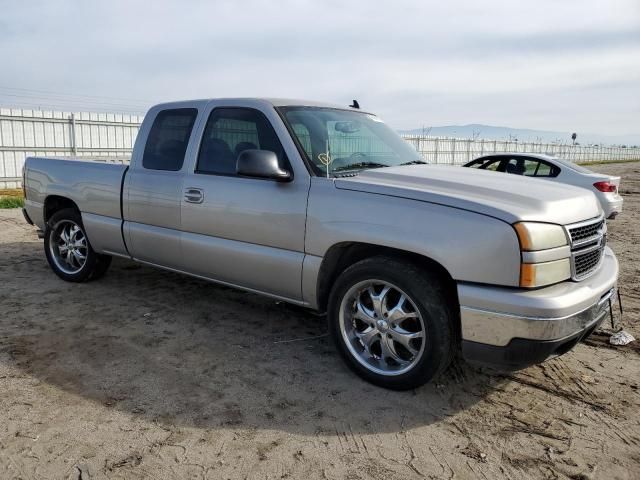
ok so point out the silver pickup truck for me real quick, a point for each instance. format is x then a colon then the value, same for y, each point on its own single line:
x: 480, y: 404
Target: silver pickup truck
x: 328, y: 208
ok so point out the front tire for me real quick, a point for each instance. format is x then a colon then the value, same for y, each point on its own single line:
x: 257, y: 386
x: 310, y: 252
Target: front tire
x: 68, y: 250
x: 391, y: 322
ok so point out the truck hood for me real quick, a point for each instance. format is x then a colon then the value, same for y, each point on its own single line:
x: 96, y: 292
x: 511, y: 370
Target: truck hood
x: 511, y: 198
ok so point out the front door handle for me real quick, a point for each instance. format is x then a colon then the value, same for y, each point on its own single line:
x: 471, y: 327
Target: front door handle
x: 194, y: 195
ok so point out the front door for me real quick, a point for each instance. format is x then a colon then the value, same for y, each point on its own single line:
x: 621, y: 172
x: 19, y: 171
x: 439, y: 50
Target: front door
x: 242, y: 231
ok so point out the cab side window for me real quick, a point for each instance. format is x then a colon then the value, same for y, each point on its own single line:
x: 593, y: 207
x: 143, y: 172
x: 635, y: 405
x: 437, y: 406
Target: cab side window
x: 229, y: 132
x: 168, y: 139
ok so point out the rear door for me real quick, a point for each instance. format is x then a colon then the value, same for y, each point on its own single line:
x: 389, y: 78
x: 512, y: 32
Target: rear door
x: 153, y: 187
x: 247, y: 232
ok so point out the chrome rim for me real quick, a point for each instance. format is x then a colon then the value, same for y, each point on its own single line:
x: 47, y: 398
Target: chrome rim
x: 382, y: 327
x: 68, y: 246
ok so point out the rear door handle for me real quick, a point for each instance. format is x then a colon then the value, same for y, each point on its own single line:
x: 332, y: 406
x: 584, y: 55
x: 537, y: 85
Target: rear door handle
x: 194, y: 195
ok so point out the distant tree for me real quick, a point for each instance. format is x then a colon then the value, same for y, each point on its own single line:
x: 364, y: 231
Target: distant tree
x: 574, y: 135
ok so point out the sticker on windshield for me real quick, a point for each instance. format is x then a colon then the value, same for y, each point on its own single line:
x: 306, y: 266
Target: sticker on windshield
x: 325, y: 159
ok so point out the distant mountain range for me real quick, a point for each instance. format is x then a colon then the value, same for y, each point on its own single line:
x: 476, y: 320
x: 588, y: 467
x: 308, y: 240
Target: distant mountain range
x: 489, y: 132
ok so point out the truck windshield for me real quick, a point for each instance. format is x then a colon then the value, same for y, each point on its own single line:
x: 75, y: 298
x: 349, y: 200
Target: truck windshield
x: 338, y: 142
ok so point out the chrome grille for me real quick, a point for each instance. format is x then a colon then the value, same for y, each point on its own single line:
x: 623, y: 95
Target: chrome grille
x: 583, y: 233
x: 585, y: 263
x: 588, y: 240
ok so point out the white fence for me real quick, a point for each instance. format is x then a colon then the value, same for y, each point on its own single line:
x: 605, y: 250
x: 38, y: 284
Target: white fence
x: 27, y: 133
x: 457, y: 151
x: 110, y: 136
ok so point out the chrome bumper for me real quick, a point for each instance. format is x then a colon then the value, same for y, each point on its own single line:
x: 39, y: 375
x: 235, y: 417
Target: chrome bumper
x: 496, y: 316
x: 533, y: 328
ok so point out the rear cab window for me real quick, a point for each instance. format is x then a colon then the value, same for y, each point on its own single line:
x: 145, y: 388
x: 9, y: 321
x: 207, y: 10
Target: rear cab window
x: 168, y: 139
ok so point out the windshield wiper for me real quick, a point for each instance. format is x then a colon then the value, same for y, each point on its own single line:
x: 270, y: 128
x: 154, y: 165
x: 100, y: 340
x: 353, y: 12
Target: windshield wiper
x: 354, y: 166
x: 413, y: 162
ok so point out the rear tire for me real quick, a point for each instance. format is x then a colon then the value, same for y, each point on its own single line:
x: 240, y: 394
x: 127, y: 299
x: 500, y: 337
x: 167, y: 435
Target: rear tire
x: 68, y: 250
x: 391, y: 322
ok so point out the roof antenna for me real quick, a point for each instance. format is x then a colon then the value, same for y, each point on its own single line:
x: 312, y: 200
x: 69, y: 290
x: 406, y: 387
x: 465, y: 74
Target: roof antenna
x: 355, y: 104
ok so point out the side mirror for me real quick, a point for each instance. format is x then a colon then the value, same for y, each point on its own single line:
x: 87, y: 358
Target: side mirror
x: 261, y: 164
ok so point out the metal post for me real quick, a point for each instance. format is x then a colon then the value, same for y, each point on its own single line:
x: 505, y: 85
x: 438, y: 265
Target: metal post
x: 435, y: 153
x: 74, y: 144
x: 453, y: 151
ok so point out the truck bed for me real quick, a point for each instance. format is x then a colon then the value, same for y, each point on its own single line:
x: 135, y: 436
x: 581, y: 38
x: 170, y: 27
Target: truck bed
x: 94, y: 186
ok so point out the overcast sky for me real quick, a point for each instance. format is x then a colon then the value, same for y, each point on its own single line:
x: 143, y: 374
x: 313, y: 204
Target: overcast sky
x: 567, y: 65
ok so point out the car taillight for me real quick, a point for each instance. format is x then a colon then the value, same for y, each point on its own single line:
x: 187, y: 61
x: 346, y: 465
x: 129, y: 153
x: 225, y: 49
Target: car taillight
x: 605, y: 186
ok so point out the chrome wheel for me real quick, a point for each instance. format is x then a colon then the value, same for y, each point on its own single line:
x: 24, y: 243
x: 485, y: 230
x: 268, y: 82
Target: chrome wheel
x: 382, y: 327
x: 68, y: 246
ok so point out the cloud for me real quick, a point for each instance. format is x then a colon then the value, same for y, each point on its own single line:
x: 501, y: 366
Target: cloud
x: 547, y: 64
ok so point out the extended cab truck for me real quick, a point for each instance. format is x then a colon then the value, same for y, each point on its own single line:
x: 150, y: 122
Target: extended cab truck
x: 328, y: 208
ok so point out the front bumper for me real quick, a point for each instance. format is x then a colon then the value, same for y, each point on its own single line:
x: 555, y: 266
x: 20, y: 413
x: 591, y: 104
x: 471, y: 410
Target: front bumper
x: 514, y: 328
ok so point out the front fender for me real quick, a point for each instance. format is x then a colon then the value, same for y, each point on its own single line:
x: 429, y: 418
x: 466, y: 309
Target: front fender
x: 472, y: 247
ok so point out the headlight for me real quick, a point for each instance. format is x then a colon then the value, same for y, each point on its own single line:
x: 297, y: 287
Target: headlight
x: 540, y: 236
x: 535, y: 237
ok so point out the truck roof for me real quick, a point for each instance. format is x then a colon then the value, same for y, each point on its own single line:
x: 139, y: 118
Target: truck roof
x: 259, y: 101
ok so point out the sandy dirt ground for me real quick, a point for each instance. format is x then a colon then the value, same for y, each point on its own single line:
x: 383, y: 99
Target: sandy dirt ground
x: 147, y: 374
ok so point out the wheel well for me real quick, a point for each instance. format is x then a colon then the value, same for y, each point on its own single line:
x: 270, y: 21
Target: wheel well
x: 341, y: 256
x: 55, y: 203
